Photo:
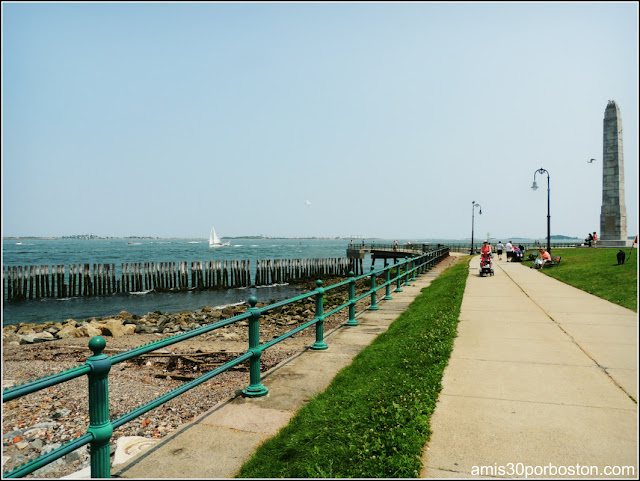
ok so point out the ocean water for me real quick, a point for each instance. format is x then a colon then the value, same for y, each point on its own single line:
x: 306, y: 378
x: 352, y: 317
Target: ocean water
x: 119, y: 251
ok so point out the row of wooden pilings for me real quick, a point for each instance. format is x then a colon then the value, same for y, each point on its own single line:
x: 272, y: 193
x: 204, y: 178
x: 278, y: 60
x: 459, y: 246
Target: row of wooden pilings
x: 40, y: 281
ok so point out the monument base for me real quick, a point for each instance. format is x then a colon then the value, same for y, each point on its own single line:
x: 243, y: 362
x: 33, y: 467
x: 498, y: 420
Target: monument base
x: 614, y: 243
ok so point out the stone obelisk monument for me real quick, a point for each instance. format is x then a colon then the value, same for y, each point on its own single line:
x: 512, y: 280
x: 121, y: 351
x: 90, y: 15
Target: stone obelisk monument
x: 613, y: 214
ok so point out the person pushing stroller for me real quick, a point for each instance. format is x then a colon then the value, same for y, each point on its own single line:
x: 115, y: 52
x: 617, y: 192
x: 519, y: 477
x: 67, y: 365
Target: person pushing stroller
x: 486, y: 263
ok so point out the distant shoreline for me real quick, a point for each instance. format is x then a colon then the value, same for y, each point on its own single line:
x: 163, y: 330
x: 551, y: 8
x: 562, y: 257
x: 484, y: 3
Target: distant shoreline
x: 520, y: 239
x: 178, y: 238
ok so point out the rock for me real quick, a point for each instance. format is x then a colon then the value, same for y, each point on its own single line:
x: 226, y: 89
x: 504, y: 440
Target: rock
x: 50, y: 447
x: 45, y: 425
x: 140, y: 329
x: 36, y: 444
x: 129, y: 329
x: 77, y: 455
x: 125, y: 316
x: 113, y: 328
x: 43, y: 336
x: 129, y: 446
x: 48, y: 468
x: 86, y: 330
x: 84, y: 473
x: 14, y: 433
x: 10, y: 337
x: 162, y: 321
x: 26, y: 330
x: 60, y: 413
x: 66, y: 331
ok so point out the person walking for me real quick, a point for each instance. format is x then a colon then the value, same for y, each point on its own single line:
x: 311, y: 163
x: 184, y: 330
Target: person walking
x: 595, y: 240
x: 509, y: 250
x: 499, y: 248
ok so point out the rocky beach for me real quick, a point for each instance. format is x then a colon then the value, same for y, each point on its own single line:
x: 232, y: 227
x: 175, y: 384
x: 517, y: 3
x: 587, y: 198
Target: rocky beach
x: 40, y: 422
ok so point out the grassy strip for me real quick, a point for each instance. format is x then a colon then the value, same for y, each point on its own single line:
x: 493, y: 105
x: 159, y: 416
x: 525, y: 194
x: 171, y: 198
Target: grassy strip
x: 373, y: 419
x: 597, y: 272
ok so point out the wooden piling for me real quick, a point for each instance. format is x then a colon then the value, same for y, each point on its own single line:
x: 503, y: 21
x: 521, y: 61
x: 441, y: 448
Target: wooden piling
x: 39, y: 281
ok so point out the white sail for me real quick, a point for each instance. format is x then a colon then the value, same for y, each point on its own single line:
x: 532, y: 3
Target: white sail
x: 214, y: 240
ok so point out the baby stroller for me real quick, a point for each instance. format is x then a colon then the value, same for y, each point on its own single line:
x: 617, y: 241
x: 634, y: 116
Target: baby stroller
x: 486, y: 265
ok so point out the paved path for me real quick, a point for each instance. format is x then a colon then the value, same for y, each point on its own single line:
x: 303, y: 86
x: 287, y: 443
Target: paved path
x: 541, y: 374
x: 218, y: 443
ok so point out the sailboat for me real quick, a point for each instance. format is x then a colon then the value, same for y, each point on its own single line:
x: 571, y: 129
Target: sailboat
x: 214, y: 240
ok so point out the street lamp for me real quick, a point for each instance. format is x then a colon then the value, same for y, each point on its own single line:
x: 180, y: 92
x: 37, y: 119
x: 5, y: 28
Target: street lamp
x: 535, y: 187
x: 473, y: 211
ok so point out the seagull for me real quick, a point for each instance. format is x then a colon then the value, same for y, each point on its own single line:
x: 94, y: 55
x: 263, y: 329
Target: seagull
x: 307, y: 202
x: 591, y: 161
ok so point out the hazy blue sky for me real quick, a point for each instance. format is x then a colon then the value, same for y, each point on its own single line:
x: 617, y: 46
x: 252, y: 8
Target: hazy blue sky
x: 163, y: 119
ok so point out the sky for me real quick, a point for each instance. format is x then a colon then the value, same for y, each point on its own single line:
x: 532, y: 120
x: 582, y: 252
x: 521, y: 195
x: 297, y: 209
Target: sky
x: 391, y: 119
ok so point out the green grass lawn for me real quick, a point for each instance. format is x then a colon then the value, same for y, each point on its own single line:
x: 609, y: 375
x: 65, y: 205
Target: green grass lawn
x: 597, y: 271
x: 373, y: 419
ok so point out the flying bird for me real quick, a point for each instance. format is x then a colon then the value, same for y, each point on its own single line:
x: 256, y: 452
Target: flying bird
x: 307, y: 202
x: 591, y: 161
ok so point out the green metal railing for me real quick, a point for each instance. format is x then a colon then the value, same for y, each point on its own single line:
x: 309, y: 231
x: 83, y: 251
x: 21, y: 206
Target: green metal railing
x: 527, y: 245
x: 98, y: 365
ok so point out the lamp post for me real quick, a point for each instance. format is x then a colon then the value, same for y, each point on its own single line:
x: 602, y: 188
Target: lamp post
x: 473, y: 211
x: 535, y: 187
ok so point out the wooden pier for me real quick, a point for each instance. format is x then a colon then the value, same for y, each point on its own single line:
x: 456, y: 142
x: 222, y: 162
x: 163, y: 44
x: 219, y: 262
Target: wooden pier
x: 356, y: 254
x: 89, y: 280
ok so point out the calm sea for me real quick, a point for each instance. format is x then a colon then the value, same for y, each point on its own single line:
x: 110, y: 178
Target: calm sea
x: 118, y: 251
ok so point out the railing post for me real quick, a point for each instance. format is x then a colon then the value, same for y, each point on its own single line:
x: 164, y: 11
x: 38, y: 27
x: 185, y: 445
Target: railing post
x: 255, y: 388
x: 398, y: 279
x: 374, y: 302
x: 419, y: 268
x: 319, y: 344
x: 352, y: 303
x: 407, y: 274
x: 413, y: 269
x: 100, y: 426
x: 387, y: 288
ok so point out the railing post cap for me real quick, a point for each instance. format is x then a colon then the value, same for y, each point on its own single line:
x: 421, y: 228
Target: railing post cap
x: 319, y: 283
x: 253, y: 300
x: 351, y: 274
x: 97, y: 344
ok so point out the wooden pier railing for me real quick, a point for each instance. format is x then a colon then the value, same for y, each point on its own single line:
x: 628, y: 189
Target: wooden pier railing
x: 87, y: 280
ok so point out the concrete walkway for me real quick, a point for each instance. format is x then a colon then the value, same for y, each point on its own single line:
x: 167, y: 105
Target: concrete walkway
x: 541, y: 375
x: 219, y: 442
